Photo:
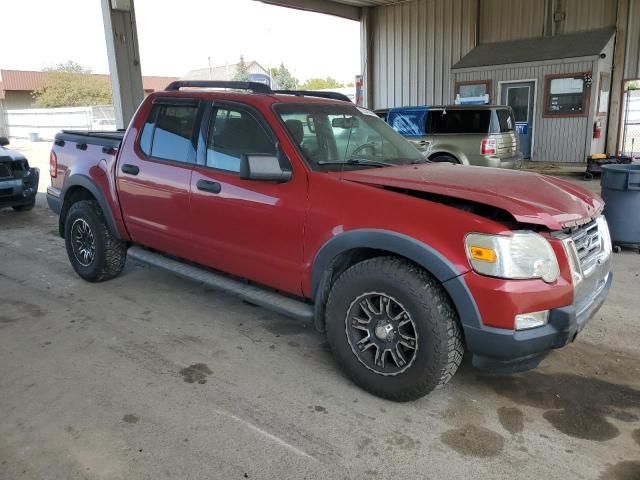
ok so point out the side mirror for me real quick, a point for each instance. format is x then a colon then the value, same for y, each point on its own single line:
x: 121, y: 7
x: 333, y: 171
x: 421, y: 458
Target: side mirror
x: 264, y: 167
x: 4, y: 141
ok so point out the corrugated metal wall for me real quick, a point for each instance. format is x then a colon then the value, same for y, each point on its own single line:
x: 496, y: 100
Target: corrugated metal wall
x: 586, y: 14
x: 551, y: 134
x: 632, y: 62
x: 414, y: 46
x: 500, y: 20
x: 512, y: 19
x: 415, y: 43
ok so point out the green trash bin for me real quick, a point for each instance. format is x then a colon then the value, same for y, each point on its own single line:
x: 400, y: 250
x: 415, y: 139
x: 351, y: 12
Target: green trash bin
x: 621, y: 193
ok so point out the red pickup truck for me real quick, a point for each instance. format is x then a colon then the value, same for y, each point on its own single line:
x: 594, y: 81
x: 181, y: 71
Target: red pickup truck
x: 317, y: 209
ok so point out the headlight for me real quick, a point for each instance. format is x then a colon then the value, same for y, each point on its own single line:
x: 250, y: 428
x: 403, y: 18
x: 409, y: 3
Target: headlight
x: 523, y: 255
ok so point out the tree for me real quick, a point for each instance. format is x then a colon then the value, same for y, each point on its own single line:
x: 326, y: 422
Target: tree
x: 242, y: 71
x: 282, y: 78
x: 321, y: 83
x: 71, y: 85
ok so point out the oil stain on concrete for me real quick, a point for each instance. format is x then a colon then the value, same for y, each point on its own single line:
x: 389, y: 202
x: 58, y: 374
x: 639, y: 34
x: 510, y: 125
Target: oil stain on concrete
x: 576, y: 406
x: 580, y: 423
x: 400, y: 440
x: 130, y: 418
x: 636, y: 436
x: 198, y: 372
x: 511, y: 419
x: 622, y: 471
x: 15, y: 310
x: 474, y: 441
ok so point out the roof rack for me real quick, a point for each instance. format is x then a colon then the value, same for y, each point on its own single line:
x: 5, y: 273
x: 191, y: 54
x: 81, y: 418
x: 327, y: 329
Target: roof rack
x: 312, y: 93
x: 253, y: 87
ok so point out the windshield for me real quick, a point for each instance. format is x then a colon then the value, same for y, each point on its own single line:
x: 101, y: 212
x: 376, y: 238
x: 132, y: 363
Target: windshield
x: 333, y: 137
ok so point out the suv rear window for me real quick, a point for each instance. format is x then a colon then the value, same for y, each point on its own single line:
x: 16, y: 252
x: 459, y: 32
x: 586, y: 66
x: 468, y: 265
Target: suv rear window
x: 506, y: 122
x: 458, y: 121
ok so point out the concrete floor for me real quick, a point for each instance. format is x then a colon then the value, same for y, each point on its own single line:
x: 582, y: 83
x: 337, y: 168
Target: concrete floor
x: 150, y: 376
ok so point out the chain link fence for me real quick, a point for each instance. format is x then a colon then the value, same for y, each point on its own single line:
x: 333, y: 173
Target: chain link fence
x: 43, y: 123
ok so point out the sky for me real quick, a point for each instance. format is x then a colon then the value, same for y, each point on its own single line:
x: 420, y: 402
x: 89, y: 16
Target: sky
x: 178, y: 36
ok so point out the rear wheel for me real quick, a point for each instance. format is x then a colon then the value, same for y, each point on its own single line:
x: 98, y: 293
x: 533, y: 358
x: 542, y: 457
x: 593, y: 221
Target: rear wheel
x: 94, y: 251
x: 393, y: 329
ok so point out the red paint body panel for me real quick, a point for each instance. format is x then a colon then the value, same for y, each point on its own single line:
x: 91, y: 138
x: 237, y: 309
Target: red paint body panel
x: 155, y: 203
x: 499, y: 300
x: 253, y: 230
x: 530, y: 197
x: 271, y: 233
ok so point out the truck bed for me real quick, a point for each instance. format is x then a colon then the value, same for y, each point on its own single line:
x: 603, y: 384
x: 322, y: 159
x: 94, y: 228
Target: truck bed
x: 109, y: 139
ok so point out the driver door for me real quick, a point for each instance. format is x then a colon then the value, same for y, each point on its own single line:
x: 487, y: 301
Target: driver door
x: 252, y: 229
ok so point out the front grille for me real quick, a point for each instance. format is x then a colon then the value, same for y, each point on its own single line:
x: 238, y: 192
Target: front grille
x: 6, y: 191
x: 588, y: 243
x: 5, y: 171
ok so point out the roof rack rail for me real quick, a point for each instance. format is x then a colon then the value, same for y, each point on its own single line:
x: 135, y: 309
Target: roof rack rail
x: 312, y: 93
x: 252, y: 86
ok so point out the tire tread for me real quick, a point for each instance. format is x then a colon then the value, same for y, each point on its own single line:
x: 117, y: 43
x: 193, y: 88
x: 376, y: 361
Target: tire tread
x: 432, y: 298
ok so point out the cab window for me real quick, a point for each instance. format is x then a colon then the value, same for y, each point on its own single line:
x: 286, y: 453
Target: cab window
x: 233, y: 133
x: 167, y: 134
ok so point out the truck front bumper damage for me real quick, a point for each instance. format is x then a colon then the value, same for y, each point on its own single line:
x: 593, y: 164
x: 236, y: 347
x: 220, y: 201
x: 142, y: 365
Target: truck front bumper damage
x: 509, y: 351
x: 18, y: 191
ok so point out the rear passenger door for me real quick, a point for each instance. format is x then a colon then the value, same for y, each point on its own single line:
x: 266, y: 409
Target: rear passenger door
x: 154, y: 177
x: 252, y: 229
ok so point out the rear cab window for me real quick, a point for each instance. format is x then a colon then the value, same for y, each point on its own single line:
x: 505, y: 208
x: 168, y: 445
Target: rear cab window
x: 168, y: 133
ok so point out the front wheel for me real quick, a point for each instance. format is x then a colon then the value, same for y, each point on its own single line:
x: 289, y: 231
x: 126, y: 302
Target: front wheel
x: 94, y: 251
x: 393, y: 329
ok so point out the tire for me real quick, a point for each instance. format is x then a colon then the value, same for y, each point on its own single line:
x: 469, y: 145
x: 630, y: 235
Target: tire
x: 444, y: 159
x: 24, y: 208
x: 437, y: 336
x: 85, y: 219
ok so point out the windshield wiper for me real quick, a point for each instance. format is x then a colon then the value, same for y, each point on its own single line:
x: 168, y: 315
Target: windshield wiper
x: 360, y: 161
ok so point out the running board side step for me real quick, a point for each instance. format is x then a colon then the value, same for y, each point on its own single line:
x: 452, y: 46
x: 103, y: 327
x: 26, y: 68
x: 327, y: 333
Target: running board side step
x: 276, y: 302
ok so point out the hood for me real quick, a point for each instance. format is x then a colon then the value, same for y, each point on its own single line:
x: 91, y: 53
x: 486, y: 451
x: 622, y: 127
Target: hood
x: 529, y: 197
x: 8, y: 155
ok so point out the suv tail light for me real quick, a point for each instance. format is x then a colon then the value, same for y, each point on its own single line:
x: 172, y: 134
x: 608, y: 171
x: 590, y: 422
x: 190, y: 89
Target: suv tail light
x: 53, y: 164
x: 489, y: 146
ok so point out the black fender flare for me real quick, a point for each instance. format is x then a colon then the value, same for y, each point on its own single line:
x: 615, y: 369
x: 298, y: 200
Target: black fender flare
x: 79, y: 180
x: 395, y: 243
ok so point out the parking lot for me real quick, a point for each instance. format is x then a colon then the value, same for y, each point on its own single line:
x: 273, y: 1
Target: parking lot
x: 151, y: 376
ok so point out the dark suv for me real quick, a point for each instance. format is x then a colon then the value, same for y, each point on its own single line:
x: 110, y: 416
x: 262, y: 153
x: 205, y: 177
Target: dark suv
x: 18, y: 182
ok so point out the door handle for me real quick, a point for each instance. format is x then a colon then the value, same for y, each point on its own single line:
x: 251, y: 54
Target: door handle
x: 209, y: 186
x: 130, y: 169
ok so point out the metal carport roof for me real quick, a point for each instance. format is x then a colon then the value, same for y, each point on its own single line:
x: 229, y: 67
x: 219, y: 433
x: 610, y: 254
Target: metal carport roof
x: 351, y: 9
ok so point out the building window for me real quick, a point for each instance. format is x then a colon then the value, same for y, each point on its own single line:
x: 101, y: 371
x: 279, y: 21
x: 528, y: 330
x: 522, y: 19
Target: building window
x: 567, y: 95
x: 603, y: 93
x: 476, y: 91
